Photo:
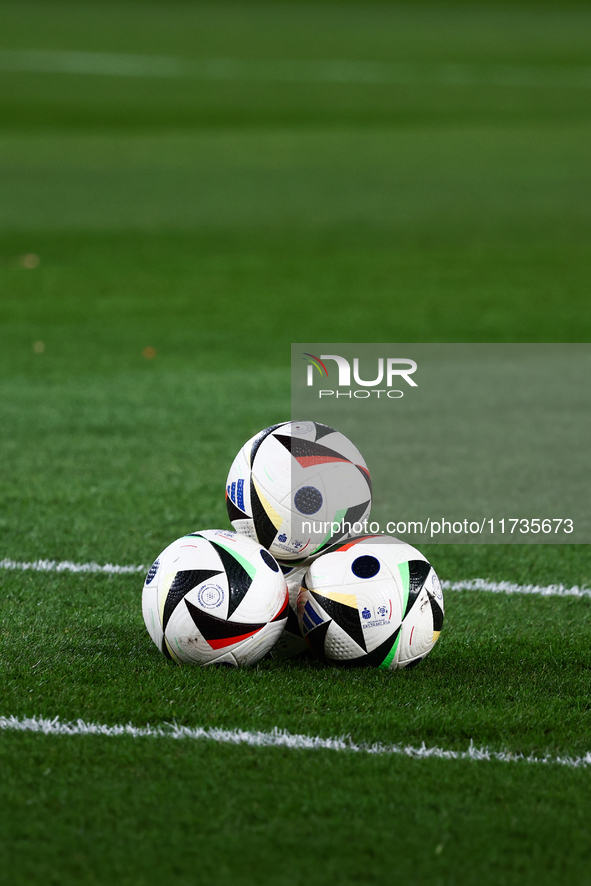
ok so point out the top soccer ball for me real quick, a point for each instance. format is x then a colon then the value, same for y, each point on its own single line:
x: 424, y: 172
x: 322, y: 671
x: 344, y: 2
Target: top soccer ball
x: 372, y: 602
x: 298, y: 487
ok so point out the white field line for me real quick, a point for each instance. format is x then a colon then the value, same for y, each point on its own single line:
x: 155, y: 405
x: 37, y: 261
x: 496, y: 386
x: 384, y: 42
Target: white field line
x: 296, y: 71
x: 67, y: 566
x: 471, y: 584
x: 280, y: 739
x: 508, y: 587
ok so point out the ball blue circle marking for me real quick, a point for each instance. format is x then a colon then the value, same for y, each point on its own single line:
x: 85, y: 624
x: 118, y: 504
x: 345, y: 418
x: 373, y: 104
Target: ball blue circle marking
x: 365, y: 567
x: 270, y: 561
x: 210, y: 596
x: 308, y: 500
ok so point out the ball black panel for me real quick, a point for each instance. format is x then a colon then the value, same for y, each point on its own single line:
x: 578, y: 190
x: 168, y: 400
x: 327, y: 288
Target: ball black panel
x: 437, y: 612
x: 315, y: 640
x: 375, y: 658
x: 214, y: 628
x: 353, y: 514
x: 300, y: 448
x: 293, y: 625
x: 365, y: 566
x: 347, y: 617
x: 263, y: 525
x: 239, y: 580
x: 418, y: 570
x: 184, y: 581
x: 322, y: 430
x: 234, y: 512
x: 308, y: 500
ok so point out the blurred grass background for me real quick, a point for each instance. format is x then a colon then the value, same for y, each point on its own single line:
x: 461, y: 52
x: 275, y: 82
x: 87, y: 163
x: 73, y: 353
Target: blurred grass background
x: 157, y: 229
x: 162, y: 241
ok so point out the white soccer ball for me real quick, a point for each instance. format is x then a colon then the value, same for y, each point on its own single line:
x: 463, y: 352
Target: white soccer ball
x: 297, y: 488
x: 215, y: 597
x: 374, y: 601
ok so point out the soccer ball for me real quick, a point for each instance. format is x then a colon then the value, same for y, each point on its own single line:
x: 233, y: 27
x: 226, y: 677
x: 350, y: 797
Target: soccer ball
x: 215, y: 597
x: 298, y: 487
x: 374, y: 601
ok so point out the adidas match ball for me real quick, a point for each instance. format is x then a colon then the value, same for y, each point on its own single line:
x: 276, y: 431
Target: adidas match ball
x: 298, y: 487
x: 374, y: 601
x: 215, y: 597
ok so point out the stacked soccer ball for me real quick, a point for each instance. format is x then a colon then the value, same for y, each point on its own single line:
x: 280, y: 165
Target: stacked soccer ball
x: 294, y: 575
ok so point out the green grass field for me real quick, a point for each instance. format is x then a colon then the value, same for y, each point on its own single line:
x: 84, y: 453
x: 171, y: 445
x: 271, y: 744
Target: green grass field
x: 215, y: 221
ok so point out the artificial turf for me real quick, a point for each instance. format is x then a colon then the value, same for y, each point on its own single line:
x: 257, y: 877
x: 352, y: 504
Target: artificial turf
x: 214, y: 222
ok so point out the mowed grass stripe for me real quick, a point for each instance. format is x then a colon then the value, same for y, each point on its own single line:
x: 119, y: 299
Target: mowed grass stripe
x: 283, y: 739
x: 471, y: 584
x: 111, y: 64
